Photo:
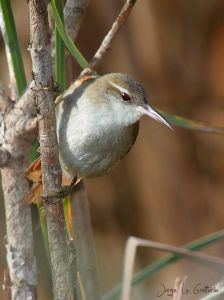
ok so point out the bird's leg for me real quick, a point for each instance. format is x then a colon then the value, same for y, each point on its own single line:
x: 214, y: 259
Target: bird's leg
x: 61, y: 193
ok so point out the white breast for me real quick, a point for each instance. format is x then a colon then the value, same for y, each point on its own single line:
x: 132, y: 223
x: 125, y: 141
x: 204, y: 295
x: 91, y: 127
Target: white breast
x: 91, y: 140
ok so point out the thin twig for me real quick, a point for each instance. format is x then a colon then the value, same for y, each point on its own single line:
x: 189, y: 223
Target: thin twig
x: 107, y: 42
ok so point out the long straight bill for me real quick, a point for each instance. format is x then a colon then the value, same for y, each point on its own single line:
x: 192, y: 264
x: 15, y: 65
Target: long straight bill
x: 151, y: 112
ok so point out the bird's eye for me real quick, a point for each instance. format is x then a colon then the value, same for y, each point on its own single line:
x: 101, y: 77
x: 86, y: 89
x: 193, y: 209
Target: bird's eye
x: 125, y: 97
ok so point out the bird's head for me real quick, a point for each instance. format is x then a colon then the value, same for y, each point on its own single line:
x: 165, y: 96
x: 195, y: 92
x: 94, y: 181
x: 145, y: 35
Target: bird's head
x: 125, y: 99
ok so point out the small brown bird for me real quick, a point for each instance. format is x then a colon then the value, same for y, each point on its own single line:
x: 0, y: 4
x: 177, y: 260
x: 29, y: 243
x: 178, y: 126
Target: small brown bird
x: 98, y: 122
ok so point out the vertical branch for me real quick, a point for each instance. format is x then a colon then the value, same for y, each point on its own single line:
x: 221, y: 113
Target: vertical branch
x: 43, y: 92
x: 22, y: 280
x: 19, y: 132
x: 19, y: 247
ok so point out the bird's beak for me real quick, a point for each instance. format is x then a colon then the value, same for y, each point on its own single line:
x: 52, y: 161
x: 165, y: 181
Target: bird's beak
x: 151, y: 112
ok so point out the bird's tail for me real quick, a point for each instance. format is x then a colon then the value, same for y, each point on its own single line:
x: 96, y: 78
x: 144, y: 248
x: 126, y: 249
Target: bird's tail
x: 34, y: 174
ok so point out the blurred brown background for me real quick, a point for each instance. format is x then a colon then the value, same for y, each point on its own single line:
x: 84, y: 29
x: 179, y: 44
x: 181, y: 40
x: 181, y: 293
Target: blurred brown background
x: 170, y: 187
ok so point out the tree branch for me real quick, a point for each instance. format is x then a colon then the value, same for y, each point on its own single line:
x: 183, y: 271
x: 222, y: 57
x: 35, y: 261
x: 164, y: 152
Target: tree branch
x: 43, y: 92
x: 21, y: 124
x: 20, y: 255
x: 4, y: 157
x: 22, y: 280
x: 74, y: 12
x: 107, y: 42
x: 5, y: 102
x: 18, y: 134
x: 13, y: 161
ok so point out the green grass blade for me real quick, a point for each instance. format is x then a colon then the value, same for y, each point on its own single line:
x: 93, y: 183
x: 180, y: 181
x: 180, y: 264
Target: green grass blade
x: 67, y: 40
x: 14, y: 46
x: 60, y: 52
x: 160, y: 264
x: 190, y: 124
x: 33, y: 152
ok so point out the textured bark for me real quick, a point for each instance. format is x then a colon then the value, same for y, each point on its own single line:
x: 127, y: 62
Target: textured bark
x: 16, y: 142
x: 16, y: 139
x: 19, y: 247
x: 14, y: 160
x: 20, y: 279
x: 44, y: 94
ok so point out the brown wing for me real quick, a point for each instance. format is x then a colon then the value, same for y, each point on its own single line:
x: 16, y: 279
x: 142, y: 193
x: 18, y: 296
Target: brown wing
x: 135, y: 130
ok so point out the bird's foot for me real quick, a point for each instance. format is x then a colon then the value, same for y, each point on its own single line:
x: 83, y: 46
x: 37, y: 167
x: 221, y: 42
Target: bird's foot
x: 59, y: 194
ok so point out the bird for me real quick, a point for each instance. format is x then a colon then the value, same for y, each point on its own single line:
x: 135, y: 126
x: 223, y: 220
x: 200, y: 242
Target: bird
x: 97, y: 123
